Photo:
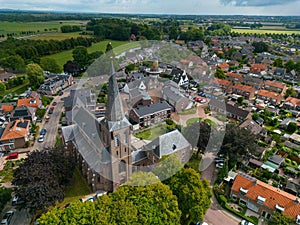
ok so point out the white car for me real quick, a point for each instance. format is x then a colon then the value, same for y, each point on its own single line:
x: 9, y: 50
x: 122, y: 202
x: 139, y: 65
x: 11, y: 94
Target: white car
x: 15, y: 200
x: 7, y: 218
x: 245, y: 222
x: 41, y: 138
x: 220, y: 165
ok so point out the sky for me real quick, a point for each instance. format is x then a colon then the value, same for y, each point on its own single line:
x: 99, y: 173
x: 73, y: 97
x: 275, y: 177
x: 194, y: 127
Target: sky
x: 198, y: 7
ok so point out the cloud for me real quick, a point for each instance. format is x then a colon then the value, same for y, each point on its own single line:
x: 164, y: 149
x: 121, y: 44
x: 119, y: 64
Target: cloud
x: 246, y: 3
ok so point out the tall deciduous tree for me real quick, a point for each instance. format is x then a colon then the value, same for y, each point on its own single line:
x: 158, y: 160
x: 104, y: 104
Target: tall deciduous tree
x: 81, y: 56
x: 14, y: 63
x: 49, y: 64
x: 35, y: 75
x: 168, y: 166
x: 2, y: 88
x: 192, y: 193
x: 220, y: 74
x: 279, y: 219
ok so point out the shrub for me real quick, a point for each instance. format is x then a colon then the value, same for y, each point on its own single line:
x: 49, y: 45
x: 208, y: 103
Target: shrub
x: 223, y: 200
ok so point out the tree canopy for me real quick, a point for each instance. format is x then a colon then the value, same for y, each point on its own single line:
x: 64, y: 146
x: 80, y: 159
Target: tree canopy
x: 132, y: 203
x: 49, y: 64
x: 35, y: 75
x: 279, y: 219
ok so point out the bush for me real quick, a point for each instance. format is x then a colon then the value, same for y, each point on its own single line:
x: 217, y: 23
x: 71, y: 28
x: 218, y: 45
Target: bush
x: 294, y: 163
x: 223, y: 200
x: 5, y: 195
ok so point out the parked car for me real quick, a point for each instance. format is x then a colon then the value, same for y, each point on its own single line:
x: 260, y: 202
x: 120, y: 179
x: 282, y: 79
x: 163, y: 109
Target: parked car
x: 54, y: 103
x: 15, y: 200
x: 220, y: 165
x: 245, y: 222
x: 7, y: 218
x: 52, y: 108
x: 41, y: 138
x: 43, y: 131
x: 12, y: 156
x: 50, y: 111
x: 60, y: 93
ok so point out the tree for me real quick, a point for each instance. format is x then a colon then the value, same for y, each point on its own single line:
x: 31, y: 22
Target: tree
x: 72, y: 68
x: 260, y: 47
x: 220, y: 74
x: 279, y: 219
x: 278, y: 63
x: 290, y: 92
x: 41, y: 178
x: 81, y: 56
x: 168, y: 166
x: 240, y: 100
x: 290, y: 65
x: 2, y: 88
x: 35, y: 75
x: 14, y: 63
x: 292, y: 127
x: 192, y: 193
x: 109, y: 47
x: 49, y: 64
x: 143, y: 200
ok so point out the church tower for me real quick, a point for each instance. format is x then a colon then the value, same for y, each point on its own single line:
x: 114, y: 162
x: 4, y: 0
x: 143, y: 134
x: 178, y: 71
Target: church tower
x: 116, y: 134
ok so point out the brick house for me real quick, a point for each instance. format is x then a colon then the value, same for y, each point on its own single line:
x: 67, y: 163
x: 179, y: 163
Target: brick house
x: 253, y: 82
x: 234, y: 77
x: 176, y: 99
x: 258, y: 68
x: 292, y: 103
x: 275, y: 86
x: 150, y: 114
x: 273, y: 97
x: 263, y: 198
x: 225, y: 85
x: 247, y: 91
x: 30, y: 102
x: 224, y: 66
x: 14, y: 135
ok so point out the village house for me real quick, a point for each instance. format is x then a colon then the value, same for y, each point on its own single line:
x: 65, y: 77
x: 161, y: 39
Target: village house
x: 244, y: 90
x: 224, y: 66
x: 253, y: 81
x: 150, y: 114
x: 225, y: 85
x: 4, y: 77
x: 275, y: 86
x: 273, y: 97
x: 292, y: 104
x: 179, y: 77
x: 14, y: 135
x: 55, y: 84
x: 234, y: 77
x: 23, y: 113
x: 258, y: 68
x: 175, y: 98
x: 253, y: 127
x: 263, y: 198
x: 30, y: 102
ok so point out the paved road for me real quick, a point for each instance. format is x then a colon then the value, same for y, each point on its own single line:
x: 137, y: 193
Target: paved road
x: 215, y: 215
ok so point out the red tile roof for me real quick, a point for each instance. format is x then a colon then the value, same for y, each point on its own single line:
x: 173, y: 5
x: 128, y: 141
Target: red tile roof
x: 294, y: 101
x: 244, y: 88
x: 269, y: 94
x: 225, y: 83
x: 223, y: 66
x: 7, y: 108
x: 13, y: 131
x: 275, y: 84
x: 272, y: 195
x: 31, y: 102
x: 234, y: 75
x: 258, y: 67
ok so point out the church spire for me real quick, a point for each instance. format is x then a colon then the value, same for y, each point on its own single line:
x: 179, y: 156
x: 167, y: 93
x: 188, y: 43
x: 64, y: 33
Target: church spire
x: 114, y: 108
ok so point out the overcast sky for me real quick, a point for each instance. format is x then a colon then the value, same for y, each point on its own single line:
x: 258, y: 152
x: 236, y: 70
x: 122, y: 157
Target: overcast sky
x: 204, y: 7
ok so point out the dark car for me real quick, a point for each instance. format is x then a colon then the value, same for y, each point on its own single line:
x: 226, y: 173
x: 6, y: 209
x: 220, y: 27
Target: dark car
x: 50, y: 111
x: 54, y: 103
x: 43, y: 131
x: 60, y: 93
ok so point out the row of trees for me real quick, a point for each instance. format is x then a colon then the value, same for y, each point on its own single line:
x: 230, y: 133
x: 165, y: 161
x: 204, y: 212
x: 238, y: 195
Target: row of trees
x: 69, y: 28
x: 181, y: 199
x: 289, y: 65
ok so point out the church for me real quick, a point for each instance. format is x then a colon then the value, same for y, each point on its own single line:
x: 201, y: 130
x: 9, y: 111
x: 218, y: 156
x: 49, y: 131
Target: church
x: 102, y: 146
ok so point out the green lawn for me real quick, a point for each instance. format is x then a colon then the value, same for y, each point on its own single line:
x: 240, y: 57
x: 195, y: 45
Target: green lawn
x: 193, y: 120
x: 8, y: 171
x: 78, y: 189
x: 64, y: 56
x: 261, y: 31
x: 58, y: 36
x: 153, y: 133
x: 17, y: 27
x: 187, y: 112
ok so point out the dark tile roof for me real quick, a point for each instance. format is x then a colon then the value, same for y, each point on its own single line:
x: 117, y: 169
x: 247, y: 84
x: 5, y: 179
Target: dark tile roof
x: 152, y: 108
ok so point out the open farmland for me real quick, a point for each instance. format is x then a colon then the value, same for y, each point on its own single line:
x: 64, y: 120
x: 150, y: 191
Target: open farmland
x: 64, y: 56
x: 266, y: 31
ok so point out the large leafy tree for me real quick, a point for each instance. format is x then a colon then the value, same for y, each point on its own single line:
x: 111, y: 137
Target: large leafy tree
x: 35, y: 75
x: 14, y: 63
x: 132, y: 203
x: 41, y: 178
x: 2, y: 88
x: 49, y: 64
x: 192, y: 193
x: 220, y: 74
x: 168, y: 166
x: 81, y: 56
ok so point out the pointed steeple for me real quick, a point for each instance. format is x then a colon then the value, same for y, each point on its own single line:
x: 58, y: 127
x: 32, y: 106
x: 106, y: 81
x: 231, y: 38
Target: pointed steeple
x: 114, y: 108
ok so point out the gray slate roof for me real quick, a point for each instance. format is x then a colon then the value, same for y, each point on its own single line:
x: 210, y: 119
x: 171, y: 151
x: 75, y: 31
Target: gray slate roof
x: 168, y: 143
x: 152, y: 108
x: 172, y: 94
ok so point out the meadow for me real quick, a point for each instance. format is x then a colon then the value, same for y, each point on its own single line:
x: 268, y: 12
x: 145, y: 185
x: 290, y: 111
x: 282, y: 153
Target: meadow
x: 266, y: 31
x: 62, y: 57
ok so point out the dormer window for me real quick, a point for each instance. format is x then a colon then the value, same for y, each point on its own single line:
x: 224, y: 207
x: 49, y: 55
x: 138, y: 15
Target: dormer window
x: 279, y: 208
x: 260, y: 200
x: 298, y: 219
x: 243, y: 191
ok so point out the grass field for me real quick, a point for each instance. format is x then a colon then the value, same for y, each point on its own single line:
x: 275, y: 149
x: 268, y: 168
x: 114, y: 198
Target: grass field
x: 58, y: 36
x: 17, y: 27
x: 64, y: 56
x: 260, y: 31
x: 152, y: 133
